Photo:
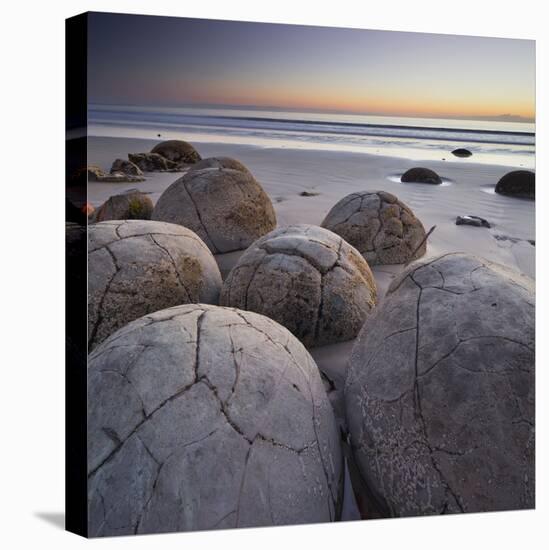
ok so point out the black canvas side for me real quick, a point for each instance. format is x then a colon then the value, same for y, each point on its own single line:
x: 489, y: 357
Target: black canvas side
x: 76, y: 500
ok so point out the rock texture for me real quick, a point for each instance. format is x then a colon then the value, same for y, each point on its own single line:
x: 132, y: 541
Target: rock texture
x: 94, y: 173
x: 220, y: 162
x: 227, y: 208
x: 520, y: 183
x: 136, y: 267
x: 133, y: 205
x: 463, y: 153
x: 307, y: 279
x: 178, y: 151
x: 440, y: 391
x: 126, y: 167
x: 202, y: 417
x: 421, y: 175
x: 382, y: 228
x: 152, y: 162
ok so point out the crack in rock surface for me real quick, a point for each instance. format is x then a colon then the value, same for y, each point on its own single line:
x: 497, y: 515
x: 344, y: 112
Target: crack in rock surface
x: 206, y: 417
x: 380, y: 226
x: 440, y: 390
x: 136, y: 267
x: 306, y: 278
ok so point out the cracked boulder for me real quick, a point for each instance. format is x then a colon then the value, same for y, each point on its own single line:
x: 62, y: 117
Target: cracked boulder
x: 153, y: 162
x: 227, y: 208
x: 125, y: 167
x: 132, y: 205
x: 440, y: 391
x: 203, y: 417
x: 136, y: 267
x: 307, y: 279
x: 178, y: 151
x: 382, y: 228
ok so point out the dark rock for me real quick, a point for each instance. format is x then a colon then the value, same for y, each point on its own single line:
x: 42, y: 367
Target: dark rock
x: 126, y: 167
x: 421, y: 175
x: 475, y: 221
x: 177, y: 150
x: 308, y: 194
x: 519, y: 183
x: 462, y: 153
x: 126, y: 206
x: 153, y: 162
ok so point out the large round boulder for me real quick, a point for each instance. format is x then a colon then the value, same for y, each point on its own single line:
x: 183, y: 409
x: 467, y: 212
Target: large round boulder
x: 519, y: 183
x: 382, y: 228
x: 421, y: 175
x: 307, y: 279
x: 220, y: 162
x: 132, y: 205
x: 178, y: 151
x: 202, y: 417
x: 440, y: 391
x: 137, y: 266
x: 227, y: 208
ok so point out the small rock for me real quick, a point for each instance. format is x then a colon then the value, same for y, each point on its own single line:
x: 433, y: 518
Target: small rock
x: 462, y: 153
x: 475, y: 221
x: 308, y: 194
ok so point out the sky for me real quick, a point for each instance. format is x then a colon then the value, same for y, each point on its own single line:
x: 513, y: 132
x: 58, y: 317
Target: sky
x: 147, y: 60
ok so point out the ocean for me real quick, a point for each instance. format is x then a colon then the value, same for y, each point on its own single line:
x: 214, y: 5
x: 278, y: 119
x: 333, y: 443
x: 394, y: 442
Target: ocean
x: 490, y: 141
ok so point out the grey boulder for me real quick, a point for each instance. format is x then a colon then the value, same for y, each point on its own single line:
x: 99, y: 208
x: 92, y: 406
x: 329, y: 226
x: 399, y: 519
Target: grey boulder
x: 440, y: 391
x: 126, y: 167
x: 177, y: 150
x: 153, y: 162
x: 307, y: 279
x: 220, y: 162
x: 227, y: 208
x: 202, y: 417
x: 136, y: 267
x: 382, y: 228
x: 132, y: 205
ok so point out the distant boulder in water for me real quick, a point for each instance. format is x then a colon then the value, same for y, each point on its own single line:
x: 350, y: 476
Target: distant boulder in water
x: 421, y: 175
x: 463, y: 153
x: 178, y: 151
x: 519, y: 183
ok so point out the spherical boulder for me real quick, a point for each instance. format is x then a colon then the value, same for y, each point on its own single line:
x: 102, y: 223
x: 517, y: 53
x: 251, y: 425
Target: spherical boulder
x: 421, y: 175
x: 307, y: 279
x: 440, y: 391
x: 227, y: 208
x: 461, y: 152
x: 519, y: 183
x: 177, y: 150
x: 382, y: 228
x: 133, y: 205
x: 137, y: 266
x: 220, y: 162
x: 203, y: 417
